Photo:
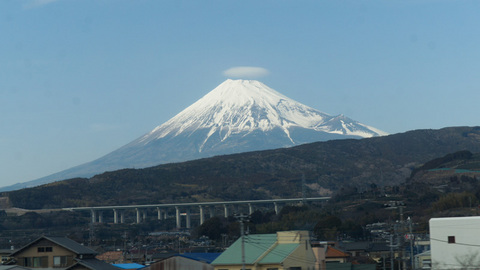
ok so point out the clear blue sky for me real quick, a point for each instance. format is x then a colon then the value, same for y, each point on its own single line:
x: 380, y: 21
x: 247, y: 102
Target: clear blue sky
x: 81, y: 78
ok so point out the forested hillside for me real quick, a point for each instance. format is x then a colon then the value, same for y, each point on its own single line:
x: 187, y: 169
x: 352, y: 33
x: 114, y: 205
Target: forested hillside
x: 327, y: 167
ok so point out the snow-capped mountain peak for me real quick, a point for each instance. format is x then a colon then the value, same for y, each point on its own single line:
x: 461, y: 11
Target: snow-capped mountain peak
x: 237, y: 116
x: 244, y: 106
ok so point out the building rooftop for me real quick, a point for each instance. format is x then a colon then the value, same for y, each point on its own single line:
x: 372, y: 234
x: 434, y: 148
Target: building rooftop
x: 201, y: 257
x: 64, y: 242
x: 255, y: 246
x: 129, y: 265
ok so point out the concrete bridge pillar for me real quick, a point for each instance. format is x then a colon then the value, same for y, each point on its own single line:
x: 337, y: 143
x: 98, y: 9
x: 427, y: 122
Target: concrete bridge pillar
x: 159, y: 214
x: 177, y: 215
x: 212, y: 211
x: 115, y: 216
x: 250, y: 209
x: 202, y: 215
x: 122, y: 217
x: 139, y: 218
x: 100, y: 217
x: 225, y: 208
x: 144, y: 214
x: 189, y: 221
x: 94, y: 215
x: 276, y: 208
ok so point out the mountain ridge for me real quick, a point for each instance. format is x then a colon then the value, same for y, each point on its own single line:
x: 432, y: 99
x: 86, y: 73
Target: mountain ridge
x: 328, y: 167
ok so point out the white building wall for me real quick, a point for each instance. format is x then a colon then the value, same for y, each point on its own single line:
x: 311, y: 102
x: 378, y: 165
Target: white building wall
x: 463, y: 251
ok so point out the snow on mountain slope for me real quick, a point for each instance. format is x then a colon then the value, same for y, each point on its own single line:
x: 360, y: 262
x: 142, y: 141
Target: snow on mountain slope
x: 237, y: 116
x: 242, y: 106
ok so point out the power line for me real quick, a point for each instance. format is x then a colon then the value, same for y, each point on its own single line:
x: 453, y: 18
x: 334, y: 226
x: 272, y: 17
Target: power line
x: 456, y: 243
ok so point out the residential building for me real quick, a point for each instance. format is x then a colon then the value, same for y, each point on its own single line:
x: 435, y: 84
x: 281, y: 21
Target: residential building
x: 112, y: 257
x: 350, y: 266
x: 455, y: 242
x: 58, y: 252
x: 185, y: 261
x: 327, y: 253
x: 423, y: 260
x: 5, y: 254
x: 12, y: 267
x: 288, y: 250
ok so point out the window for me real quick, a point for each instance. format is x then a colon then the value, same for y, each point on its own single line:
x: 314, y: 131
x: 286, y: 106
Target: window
x: 60, y: 261
x: 44, y: 249
x: 36, y: 262
x: 451, y: 239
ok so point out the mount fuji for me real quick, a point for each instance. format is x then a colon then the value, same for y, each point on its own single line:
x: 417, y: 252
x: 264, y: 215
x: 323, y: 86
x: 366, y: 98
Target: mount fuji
x: 237, y: 116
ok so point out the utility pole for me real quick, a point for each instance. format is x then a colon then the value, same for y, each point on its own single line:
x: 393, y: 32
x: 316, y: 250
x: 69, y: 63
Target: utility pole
x: 412, y: 238
x: 91, y: 233
x: 391, y: 252
x: 242, y: 218
x: 304, y: 190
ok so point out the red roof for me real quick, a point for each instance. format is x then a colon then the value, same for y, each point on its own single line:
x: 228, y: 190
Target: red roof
x: 335, y: 253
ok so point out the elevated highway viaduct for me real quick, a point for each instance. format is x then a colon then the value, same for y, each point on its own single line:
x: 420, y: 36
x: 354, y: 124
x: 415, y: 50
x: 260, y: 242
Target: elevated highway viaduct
x: 186, y: 209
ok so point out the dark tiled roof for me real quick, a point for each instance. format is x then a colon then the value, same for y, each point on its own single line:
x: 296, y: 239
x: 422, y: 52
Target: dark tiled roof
x: 94, y: 264
x: 64, y: 242
x: 356, y: 246
x: 71, y: 245
x: 377, y: 247
x: 367, y: 246
x: 12, y: 267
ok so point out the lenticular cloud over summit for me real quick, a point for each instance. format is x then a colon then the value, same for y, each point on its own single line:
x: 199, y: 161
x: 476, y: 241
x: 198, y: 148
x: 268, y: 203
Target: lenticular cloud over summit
x: 246, y: 72
x: 237, y: 116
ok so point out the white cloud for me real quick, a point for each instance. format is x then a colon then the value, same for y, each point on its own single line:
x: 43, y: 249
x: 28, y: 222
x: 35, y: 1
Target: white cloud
x: 246, y: 72
x: 38, y: 3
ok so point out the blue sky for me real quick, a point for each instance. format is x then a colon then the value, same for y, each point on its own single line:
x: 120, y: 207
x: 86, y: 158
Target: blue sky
x: 81, y: 78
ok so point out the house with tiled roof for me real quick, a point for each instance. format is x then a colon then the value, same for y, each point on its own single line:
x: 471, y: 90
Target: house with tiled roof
x: 12, y: 267
x: 327, y: 253
x: 111, y: 257
x: 58, y: 252
x: 335, y: 255
x: 91, y: 264
x: 288, y: 250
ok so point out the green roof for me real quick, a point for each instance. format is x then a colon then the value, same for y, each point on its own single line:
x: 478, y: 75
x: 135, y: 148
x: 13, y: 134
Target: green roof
x: 255, y: 246
x: 279, y: 253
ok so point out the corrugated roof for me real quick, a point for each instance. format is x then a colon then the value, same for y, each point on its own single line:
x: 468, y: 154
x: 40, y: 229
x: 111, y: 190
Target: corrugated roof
x: 129, y: 265
x: 279, y: 253
x: 201, y: 257
x: 255, y: 246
